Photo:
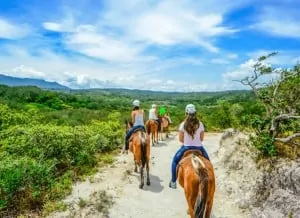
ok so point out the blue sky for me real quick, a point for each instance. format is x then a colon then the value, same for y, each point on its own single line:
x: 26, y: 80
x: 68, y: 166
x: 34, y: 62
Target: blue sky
x: 180, y: 45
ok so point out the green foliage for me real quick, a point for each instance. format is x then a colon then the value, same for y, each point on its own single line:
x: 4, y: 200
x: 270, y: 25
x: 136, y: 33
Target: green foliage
x: 49, y: 139
x: 280, y: 99
x: 39, y: 161
x: 265, y: 144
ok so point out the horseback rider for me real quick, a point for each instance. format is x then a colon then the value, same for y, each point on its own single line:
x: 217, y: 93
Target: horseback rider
x: 191, y: 135
x: 162, y: 111
x: 168, y: 117
x: 137, y: 118
x: 153, y: 115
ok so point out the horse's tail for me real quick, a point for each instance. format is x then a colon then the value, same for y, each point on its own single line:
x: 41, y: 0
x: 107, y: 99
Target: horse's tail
x: 200, y: 204
x: 143, y: 149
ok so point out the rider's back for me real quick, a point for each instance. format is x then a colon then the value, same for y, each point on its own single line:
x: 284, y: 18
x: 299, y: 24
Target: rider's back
x: 139, y: 118
x: 188, y: 140
x: 152, y: 114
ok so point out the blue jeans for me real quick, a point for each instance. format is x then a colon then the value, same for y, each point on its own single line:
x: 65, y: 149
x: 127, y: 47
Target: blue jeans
x: 129, y: 133
x: 177, y: 157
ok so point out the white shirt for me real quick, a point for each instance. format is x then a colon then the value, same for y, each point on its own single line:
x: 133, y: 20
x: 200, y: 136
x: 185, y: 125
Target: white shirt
x: 152, y: 115
x: 188, y: 141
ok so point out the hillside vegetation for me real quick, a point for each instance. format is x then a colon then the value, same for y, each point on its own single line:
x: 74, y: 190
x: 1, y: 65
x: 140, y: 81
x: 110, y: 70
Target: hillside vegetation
x: 49, y: 139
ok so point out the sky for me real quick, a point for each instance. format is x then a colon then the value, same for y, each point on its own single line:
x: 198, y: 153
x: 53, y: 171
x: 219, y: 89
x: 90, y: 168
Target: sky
x: 163, y: 45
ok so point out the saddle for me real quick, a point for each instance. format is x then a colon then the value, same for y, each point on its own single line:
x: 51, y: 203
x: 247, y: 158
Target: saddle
x: 190, y: 152
x: 139, y: 129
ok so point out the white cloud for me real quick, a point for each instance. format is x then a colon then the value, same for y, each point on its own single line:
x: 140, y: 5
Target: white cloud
x: 246, y: 69
x: 88, y: 41
x: 280, y: 27
x: 170, y: 23
x: 53, y: 26
x: 280, y: 19
x: 24, y: 71
x: 284, y: 57
x: 232, y: 56
x: 243, y: 70
x: 10, y: 30
x: 219, y: 61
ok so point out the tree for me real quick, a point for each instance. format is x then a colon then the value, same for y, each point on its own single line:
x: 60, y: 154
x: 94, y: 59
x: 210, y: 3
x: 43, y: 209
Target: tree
x: 279, y: 96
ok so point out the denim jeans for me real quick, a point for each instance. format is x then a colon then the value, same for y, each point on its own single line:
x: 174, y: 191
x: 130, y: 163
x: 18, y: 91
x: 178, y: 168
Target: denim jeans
x: 129, y: 133
x: 177, y: 157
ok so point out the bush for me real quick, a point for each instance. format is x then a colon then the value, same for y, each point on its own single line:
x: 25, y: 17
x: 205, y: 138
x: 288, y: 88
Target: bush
x: 39, y: 161
x: 265, y: 144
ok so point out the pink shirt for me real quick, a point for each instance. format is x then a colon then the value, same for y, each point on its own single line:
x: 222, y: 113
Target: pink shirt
x: 188, y: 141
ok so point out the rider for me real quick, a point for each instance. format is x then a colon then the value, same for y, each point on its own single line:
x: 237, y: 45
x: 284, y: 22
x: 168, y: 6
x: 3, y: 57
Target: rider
x: 168, y: 117
x: 191, y: 135
x: 137, y: 118
x: 153, y: 115
x: 162, y: 111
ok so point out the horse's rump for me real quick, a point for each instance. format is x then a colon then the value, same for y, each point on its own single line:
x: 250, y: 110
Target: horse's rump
x: 196, y: 175
x: 164, y: 122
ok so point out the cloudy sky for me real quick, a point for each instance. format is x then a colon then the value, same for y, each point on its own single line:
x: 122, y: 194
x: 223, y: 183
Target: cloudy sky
x: 180, y: 45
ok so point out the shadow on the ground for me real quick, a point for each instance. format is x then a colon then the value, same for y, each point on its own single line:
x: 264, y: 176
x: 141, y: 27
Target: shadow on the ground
x: 160, y: 144
x: 155, y: 185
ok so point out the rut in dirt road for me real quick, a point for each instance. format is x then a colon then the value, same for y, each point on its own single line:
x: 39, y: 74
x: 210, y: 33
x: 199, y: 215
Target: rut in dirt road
x: 158, y: 200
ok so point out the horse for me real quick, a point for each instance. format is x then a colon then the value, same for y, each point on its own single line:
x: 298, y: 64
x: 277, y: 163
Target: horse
x: 164, y: 127
x: 196, y: 176
x: 139, y: 145
x: 152, y: 128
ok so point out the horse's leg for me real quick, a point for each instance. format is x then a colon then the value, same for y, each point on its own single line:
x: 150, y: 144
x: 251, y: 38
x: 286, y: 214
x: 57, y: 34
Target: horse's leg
x: 167, y: 130
x: 190, y: 205
x: 152, y: 137
x: 210, y: 197
x: 209, y: 205
x: 142, y: 176
x: 147, y: 168
x: 135, y: 167
x: 162, y: 133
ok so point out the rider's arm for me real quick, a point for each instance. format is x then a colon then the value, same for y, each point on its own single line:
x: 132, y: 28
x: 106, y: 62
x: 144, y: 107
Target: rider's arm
x: 201, y: 132
x: 181, y: 133
x: 132, y: 116
x: 180, y: 137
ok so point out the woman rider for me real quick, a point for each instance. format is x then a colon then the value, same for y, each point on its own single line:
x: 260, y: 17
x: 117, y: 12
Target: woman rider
x: 191, y: 135
x: 153, y: 115
x: 137, y: 118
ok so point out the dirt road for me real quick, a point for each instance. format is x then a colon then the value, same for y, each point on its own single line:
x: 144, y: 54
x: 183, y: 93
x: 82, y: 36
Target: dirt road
x: 157, y: 200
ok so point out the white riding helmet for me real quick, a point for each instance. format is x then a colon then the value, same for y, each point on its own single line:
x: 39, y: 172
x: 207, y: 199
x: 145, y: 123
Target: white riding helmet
x: 190, y: 109
x: 136, y: 103
x: 153, y: 105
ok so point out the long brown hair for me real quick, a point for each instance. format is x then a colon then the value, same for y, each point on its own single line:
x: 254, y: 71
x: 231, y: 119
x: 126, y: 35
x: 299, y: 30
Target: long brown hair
x: 191, y: 124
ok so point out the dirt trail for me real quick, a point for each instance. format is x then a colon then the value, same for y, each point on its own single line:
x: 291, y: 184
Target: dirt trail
x: 157, y: 200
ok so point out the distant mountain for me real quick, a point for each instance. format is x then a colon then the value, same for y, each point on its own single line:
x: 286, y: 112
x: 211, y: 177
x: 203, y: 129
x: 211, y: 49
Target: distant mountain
x: 15, y: 81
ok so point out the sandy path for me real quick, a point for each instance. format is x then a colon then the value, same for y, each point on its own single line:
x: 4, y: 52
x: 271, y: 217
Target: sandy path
x: 157, y: 200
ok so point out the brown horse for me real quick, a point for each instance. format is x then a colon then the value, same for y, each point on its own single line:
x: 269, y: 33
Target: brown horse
x: 139, y: 145
x: 196, y: 176
x: 164, y: 127
x: 152, y: 128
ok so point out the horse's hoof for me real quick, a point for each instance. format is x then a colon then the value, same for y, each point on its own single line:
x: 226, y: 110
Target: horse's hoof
x: 148, y: 183
x: 141, y: 186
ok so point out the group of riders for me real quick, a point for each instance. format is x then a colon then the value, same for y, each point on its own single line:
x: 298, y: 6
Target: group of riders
x: 190, y: 132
